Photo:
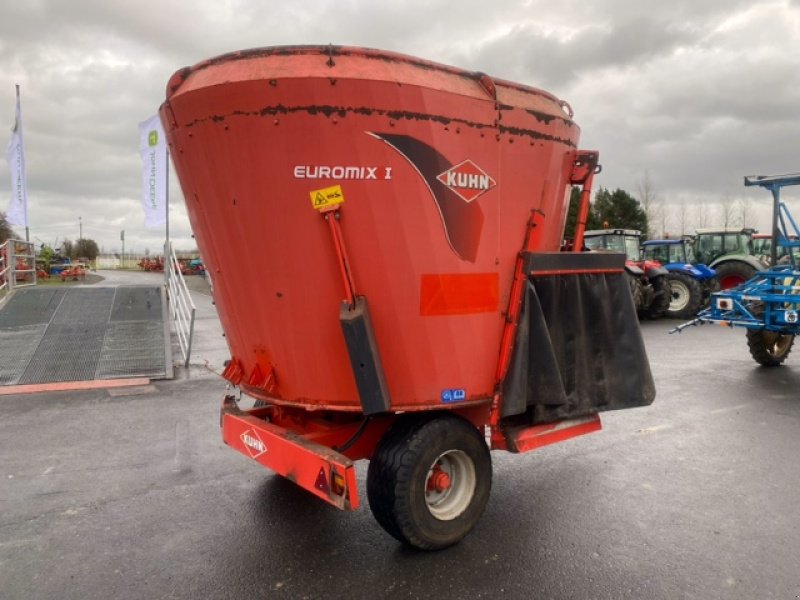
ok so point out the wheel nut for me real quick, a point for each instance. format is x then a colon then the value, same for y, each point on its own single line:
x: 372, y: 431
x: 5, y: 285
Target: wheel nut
x: 439, y: 482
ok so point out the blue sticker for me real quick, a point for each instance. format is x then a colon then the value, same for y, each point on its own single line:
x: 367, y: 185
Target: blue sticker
x: 457, y: 395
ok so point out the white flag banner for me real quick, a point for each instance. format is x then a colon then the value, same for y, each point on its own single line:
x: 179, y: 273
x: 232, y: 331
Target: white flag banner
x: 153, y: 150
x: 17, y: 213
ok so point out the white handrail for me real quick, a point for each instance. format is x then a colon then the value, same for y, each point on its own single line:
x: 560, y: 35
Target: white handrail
x: 182, y: 308
x: 11, y: 276
x: 4, y: 269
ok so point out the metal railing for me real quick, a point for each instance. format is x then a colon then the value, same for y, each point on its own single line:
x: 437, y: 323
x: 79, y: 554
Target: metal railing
x: 181, y: 305
x: 17, y: 266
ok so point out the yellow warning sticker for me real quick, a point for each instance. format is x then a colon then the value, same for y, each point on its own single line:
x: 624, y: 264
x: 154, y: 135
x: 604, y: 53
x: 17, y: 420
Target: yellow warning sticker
x: 327, y: 198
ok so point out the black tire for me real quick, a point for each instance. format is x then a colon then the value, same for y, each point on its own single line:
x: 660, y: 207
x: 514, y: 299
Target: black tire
x: 769, y: 348
x: 710, y: 286
x: 407, y: 462
x: 661, y: 297
x: 686, y: 295
x: 637, y: 291
x: 733, y: 273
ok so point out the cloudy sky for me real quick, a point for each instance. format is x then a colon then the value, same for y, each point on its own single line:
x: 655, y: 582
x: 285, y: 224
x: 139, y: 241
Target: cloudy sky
x: 693, y: 94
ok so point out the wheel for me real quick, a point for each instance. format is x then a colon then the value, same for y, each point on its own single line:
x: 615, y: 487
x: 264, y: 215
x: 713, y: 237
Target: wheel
x: 637, y: 290
x: 686, y: 295
x: 661, y: 297
x: 769, y: 348
x: 709, y: 287
x: 733, y: 273
x: 428, y: 481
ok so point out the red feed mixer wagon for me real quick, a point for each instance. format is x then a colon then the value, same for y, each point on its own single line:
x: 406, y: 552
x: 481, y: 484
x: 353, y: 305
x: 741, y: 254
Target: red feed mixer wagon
x: 411, y: 306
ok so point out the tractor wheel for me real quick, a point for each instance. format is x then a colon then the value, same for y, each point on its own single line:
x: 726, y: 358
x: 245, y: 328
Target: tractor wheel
x: 733, y: 273
x: 710, y: 286
x: 637, y: 291
x: 429, y: 481
x: 769, y: 348
x: 661, y: 297
x: 686, y: 295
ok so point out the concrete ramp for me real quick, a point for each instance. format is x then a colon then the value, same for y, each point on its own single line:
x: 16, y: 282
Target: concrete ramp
x: 51, y: 334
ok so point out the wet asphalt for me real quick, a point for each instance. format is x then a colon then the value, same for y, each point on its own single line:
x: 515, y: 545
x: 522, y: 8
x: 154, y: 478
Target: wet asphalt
x: 132, y: 494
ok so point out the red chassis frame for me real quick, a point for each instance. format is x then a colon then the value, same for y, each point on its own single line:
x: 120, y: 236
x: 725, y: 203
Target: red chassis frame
x: 302, y: 446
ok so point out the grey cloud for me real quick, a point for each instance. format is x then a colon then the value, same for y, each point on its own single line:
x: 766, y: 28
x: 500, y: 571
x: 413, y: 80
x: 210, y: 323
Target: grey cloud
x: 657, y: 86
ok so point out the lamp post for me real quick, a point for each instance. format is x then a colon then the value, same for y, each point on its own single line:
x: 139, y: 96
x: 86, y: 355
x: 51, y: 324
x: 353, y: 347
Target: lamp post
x: 80, y: 229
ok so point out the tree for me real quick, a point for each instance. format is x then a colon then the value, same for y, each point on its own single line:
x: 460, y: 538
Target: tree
x: 727, y: 214
x: 743, y: 207
x: 572, y: 214
x: 682, y: 216
x: 86, y: 248
x: 701, y: 214
x: 6, y: 232
x: 68, y: 249
x: 620, y: 210
x: 651, y: 203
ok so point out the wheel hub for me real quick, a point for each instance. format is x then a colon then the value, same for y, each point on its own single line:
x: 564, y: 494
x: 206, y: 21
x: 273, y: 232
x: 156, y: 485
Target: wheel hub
x: 680, y: 296
x: 439, y: 481
x: 450, y: 485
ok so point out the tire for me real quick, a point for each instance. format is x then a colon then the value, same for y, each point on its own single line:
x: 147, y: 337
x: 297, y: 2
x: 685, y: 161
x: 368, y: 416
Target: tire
x: 661, y: 298
x: 733, y: 273
x: 769, y: 348
x: 429, y: 481
x: 637, y: 291
x: 686, y: 296
x: 710, y: 286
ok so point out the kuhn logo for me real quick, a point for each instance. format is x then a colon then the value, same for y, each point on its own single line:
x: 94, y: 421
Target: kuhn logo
x: 253, y: 443
x: 467, y: 180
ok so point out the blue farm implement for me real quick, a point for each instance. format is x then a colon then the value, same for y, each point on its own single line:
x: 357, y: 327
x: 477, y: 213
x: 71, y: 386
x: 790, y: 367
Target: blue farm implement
x: 691, y: 282
x: 767, y: 305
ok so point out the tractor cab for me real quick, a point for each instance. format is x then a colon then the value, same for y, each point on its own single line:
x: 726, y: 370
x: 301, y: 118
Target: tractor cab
x: 710, y: 244
x: 625, y: 241
x: 669, y: 251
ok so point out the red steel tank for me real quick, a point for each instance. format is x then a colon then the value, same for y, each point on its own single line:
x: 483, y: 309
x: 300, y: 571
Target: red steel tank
x: 369, y: 221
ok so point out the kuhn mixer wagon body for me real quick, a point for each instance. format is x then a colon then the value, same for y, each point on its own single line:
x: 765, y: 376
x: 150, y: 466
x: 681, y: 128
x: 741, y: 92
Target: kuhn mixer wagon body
x: 382, y: 233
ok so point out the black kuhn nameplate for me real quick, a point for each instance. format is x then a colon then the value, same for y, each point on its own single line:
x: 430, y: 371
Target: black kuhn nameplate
x: 365, y: 358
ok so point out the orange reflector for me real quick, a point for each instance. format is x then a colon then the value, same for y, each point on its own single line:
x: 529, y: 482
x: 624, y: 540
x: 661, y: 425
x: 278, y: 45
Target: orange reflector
x: 458, y: 293
x: 337, y: 483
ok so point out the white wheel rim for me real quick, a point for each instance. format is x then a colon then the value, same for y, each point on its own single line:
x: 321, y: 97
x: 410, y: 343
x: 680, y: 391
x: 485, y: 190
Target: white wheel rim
x: 448, y: 503
x: 776, y: 344
x: 680, y: 295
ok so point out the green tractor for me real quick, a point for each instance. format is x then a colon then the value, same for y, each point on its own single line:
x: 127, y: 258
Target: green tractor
x: 730, y: 253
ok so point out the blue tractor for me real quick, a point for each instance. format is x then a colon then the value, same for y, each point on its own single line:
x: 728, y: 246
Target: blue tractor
x: 768, y: 304
x: 691, y: 283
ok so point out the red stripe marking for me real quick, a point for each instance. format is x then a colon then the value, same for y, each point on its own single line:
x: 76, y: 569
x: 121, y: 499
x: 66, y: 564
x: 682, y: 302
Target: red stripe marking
x: 458, y: 293
x: 63, y: 386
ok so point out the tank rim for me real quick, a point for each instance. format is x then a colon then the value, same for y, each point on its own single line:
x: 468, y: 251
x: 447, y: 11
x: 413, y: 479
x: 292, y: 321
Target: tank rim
x: 332, y: 51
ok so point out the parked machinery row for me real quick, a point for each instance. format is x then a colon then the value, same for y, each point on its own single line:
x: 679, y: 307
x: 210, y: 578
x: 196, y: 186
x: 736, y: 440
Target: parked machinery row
x: 675, y: 277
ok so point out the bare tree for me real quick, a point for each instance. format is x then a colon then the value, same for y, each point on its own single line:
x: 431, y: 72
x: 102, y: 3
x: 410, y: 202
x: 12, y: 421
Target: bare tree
x: 744, y: 207
x: 663, y: 217
x: 701, y: 214
x: 682, y: 216
x: 649, y: 201
x: 727, y: 212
